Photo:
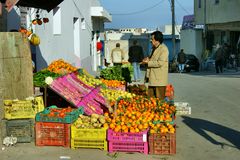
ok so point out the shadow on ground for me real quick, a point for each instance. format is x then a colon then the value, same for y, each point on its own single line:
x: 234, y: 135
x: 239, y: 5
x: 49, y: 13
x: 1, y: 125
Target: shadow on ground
x: 200, y: 126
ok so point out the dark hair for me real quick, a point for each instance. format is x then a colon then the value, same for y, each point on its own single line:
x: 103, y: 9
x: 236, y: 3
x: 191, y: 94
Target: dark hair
x: 158, y: 36
x: 135, y: 42
x: 117, y: 44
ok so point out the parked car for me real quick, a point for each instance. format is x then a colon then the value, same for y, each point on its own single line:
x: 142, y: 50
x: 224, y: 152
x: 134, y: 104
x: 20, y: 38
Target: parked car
x: 192, y: 63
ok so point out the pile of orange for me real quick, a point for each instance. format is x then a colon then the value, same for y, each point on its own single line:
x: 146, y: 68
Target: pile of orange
x: 61, y: 67
x: 113, y: 83
x: 138, y: 114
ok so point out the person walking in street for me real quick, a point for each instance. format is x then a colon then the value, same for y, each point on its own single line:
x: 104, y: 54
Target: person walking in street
x: 204, y: 58
x: 219, y: 59
x: 181, y: 60
x: 135, y: 57
x: 117, y: 55
x: 157, y: 66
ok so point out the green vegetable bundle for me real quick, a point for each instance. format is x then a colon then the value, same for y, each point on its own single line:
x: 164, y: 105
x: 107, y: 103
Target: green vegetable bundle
x: 112, y: 73
x: 39, y: 77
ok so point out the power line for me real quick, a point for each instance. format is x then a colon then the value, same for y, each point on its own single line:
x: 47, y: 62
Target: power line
x: 182, y: 7
x: 137, y: 12
x: 89, y: 28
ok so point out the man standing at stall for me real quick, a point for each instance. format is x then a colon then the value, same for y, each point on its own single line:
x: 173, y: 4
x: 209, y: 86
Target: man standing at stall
x: 157, y: 67
x: 135, y: 57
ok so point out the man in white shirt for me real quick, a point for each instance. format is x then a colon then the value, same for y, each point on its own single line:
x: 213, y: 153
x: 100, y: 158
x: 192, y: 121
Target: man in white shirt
x: 117, y: 55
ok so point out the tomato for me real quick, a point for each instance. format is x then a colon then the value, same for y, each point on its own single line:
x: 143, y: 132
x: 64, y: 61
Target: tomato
x: 51, y: 114
x: 61, y: 115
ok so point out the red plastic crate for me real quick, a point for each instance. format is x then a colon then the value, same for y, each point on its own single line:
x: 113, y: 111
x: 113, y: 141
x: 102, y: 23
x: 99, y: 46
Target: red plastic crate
x: 127, y: 142
x: 162, y: 143
x: 52, y: 134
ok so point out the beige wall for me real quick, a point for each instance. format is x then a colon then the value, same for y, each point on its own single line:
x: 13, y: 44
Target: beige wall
x: 224, y: 11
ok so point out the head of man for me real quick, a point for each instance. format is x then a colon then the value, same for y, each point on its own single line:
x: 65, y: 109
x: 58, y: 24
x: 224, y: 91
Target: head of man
x: 156, y: 38
x: 117, y: 44
x: 135, y: 42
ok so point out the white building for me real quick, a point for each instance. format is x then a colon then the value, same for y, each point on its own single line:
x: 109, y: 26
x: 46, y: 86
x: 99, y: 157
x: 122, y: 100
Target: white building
x: 72, y: 33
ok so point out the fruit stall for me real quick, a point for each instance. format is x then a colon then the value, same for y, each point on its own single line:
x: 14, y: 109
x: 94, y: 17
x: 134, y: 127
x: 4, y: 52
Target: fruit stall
x: 83, y: 111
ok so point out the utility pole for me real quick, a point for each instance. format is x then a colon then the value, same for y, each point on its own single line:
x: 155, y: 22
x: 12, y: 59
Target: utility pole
x: 173, y: 28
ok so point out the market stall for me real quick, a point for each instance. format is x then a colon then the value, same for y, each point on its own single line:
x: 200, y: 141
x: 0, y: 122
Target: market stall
x: 102, y: 114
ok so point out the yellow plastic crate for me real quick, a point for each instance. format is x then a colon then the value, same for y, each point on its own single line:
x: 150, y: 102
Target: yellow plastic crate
x: 22, y: 108
x: 88, y: 138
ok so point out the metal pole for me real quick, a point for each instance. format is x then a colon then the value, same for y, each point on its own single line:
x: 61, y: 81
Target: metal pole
x: 173, y: 27
x: 205, y: 27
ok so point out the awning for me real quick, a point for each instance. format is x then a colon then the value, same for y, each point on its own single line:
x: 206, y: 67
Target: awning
x: 41, y: 4
x: 229, y: 26
x: 98, y: 11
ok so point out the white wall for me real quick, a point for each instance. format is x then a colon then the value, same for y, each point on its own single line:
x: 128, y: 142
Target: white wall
x: 191, y: 42
x: 55, y: 46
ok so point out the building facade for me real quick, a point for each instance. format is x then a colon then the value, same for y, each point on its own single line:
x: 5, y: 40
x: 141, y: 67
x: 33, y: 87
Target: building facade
x: 221, y: 23
x: 72, y: 33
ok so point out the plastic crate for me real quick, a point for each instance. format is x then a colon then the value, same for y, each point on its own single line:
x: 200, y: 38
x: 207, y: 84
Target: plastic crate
x: 52, y: 134
x: 22, y: 109
x: 182, y: 108
x: 22, y: 129
x: 161, y: 144
x: 88, y: 138
x: 127, y: 142
x: 69, y: 118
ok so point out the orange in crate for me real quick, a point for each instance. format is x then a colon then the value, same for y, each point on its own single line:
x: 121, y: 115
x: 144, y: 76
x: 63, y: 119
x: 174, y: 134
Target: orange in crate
x: 52, y: 134
x: 162, y: 143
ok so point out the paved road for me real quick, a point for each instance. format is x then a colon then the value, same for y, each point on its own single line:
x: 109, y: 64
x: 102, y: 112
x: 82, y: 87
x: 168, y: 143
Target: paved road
x: 211, y: 132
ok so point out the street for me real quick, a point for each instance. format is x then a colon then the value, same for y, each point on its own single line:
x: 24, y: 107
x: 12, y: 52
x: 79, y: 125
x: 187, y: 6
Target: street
x: 211, y: 132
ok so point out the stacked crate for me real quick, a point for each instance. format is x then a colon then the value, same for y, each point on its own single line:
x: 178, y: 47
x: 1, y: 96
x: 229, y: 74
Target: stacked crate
x: 54, y: 130
x: 19, y: 118
x: 127, y: 142
x: 88, y: 138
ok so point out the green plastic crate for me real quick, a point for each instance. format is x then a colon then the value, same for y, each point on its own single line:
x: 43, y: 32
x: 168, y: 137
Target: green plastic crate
x: 69, y: 118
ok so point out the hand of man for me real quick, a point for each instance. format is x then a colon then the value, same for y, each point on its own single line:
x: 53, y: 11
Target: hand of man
x: 145, y: 60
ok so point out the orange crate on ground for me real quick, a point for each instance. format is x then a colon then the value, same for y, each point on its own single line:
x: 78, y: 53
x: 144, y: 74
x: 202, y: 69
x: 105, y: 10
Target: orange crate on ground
x: 160, y: 143
x: 52, y: 134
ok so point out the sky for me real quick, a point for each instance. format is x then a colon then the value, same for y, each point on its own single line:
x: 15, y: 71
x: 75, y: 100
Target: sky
x: 149, y: 14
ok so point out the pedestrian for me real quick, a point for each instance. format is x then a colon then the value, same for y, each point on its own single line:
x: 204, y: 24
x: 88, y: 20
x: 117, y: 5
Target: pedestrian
x: 181, y: 60
x: 135, y: 57
x: 157, y: 66
x: 219, y: 59
x: 204, y: 60
x: 117, y: 55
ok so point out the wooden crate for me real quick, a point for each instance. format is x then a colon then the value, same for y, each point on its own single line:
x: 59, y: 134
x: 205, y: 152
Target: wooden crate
x: 161, y: 144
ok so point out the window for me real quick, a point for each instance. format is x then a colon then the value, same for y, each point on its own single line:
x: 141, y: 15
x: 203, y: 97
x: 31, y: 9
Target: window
x: 199, y: 3
x: 76, y: 36
x: 57, y: 29
x: 83, y: 23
